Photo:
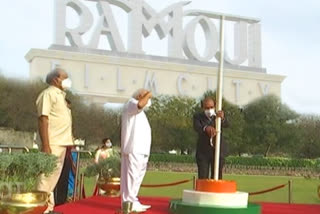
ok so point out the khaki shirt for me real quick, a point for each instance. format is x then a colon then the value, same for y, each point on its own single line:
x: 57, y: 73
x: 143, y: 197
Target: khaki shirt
x: 51, y: 103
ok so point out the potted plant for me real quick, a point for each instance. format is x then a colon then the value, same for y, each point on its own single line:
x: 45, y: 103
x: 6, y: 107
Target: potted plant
x: 108, y: 171
x: 18, y: 178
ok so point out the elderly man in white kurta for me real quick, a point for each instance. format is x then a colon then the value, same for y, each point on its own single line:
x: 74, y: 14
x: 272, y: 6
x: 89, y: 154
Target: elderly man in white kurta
x: 135, y: 148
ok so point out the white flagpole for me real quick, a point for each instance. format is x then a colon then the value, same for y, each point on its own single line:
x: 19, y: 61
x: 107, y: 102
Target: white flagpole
x: 219, y: 100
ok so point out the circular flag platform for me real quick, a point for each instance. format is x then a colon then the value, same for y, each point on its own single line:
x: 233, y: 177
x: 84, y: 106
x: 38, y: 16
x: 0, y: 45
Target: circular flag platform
x: 180, y: 207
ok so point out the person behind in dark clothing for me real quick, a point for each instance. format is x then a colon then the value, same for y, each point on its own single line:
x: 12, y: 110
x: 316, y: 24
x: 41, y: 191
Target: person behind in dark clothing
x: 61, y: 189
x: 204, y: 125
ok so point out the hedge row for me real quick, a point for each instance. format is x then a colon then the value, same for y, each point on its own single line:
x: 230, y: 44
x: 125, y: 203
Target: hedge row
x: 168, y: 158
x: 234, y: 160
x: 82, y: 154
x: 243, y: 161
x: 273, y: 162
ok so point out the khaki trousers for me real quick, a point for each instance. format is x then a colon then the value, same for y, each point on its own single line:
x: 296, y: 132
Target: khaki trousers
x: 47, y: 184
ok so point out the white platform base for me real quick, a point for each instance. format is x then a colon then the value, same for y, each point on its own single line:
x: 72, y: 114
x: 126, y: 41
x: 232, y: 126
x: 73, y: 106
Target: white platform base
x: 232, y: 200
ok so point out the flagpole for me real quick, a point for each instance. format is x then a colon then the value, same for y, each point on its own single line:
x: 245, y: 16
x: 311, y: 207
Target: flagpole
x: 219, y: 100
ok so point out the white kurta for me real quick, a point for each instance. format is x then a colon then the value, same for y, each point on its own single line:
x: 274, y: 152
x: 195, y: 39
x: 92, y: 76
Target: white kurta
x: 135, y: 149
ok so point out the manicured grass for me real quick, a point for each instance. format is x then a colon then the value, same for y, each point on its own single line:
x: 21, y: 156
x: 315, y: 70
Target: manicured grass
x: 303, y: 190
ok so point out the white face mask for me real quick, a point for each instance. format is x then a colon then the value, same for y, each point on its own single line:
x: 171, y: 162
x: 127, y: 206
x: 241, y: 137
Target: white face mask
x: 148, y: 103
x: 108, y: 144
x: 210, y: 112
x: 66, y: 84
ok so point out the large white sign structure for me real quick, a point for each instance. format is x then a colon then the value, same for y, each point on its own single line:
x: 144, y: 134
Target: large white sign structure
x: 110, y: 74
x: 143, y: 19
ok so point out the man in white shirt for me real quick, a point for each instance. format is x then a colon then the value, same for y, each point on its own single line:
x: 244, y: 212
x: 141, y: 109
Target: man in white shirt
x: 135, y: 148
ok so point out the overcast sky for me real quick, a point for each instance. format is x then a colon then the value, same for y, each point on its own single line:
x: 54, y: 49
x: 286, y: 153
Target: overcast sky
x: 290, y: 39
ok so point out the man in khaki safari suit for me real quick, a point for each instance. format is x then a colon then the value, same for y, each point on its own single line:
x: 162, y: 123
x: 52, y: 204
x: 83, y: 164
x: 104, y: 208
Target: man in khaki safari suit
x: 55, y: 127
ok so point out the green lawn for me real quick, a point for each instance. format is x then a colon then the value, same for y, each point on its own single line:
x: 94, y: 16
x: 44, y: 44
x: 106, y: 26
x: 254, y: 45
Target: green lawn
x: 304, y: 190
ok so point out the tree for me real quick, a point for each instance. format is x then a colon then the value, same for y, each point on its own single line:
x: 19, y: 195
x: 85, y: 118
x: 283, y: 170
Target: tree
x: 17, y: 105
x: 93, y: 122
x: 307, y: 144
x: 265, y: 119
x: 264, y: 126
x: 171, y: 122
x: 18, y: 111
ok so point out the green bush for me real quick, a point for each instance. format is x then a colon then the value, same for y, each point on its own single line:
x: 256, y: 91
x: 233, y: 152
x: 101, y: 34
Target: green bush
x: 84, y: 155
x: 243, y: 161
x: 25, y: 168
x: 169, y: 158
x: 107, y: 168
x: 272, y: 162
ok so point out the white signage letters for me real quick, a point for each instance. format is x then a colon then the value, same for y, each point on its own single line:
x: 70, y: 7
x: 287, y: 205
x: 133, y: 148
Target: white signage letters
x: 151, y: 83
x: 143, y: 19
x: 183, y: 85
x: 254, y: 46
x: 106, y: 26
x: 237, y: 84
x: 240, y: 44
x: 211, y: 35
x: 54, y: 64
x: 264, y: 87
x: 86, y: 76
x: 182, y: 78
x: 119, y: 85
x: 61, y: 30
